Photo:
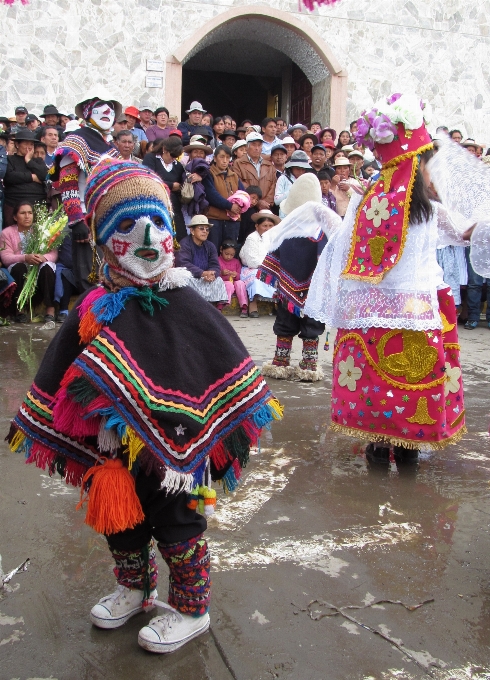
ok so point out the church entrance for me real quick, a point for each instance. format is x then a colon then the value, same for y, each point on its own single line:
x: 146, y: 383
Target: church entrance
x: 253, y: 62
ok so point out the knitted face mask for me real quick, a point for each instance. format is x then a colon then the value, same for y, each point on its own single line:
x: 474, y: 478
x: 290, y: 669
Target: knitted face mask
x: 102, y: 116
x: 142, y: 246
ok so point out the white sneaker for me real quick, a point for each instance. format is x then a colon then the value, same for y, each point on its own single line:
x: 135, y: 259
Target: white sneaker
x: 167, y: 633
x: 114, y: 610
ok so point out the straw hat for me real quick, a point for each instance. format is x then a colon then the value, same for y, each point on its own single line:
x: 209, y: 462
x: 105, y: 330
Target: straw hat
x: 265, y: 214
x: 306, y: 188
x: 197, y: 220
x: 197, y: 144
x: 342, y: 161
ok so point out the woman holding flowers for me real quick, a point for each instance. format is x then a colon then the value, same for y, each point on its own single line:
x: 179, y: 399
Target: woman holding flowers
x: 396, y: 373
x: 18, y: 263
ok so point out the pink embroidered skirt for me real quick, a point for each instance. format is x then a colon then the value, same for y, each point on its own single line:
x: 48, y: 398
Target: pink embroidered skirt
x: 398, y: 386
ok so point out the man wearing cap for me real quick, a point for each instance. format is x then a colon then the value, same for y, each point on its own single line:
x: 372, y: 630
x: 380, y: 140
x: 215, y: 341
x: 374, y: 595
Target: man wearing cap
x: 20, y: 119
x: 146, y: 115
x: 253, y: 169
x: 74, y: 159
x: 120, y: 124
x: 318, y: 158
x: 189, y: 127
x: 32, y: 122
x: 133, y: 116
x: 279, y: 156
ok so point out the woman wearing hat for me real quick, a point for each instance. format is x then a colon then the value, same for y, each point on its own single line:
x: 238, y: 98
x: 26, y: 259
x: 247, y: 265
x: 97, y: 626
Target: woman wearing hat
x: 251, y: 255
x: 25, y: 176
x: 200, y: 257
x: 344, y: 186
x: 307, y: 142
x: 326, y: 135
x: 297, y: 165
x: 238, y: 149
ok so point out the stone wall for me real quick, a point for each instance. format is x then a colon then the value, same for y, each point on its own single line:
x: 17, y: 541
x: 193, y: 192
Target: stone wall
x: 53, y: 51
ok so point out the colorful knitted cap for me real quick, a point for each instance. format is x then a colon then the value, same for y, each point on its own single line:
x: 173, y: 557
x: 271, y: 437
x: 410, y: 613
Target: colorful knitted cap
x: 118, y: 190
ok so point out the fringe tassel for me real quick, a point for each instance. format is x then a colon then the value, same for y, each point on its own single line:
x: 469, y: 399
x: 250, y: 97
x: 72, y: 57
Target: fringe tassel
x: 175, y: 482
x: 112, y: 503
x: 89, y: 300
x: 89, y: 328
x: 219, y: 456
x: 17, y: 442
x: 107, y: 439
x: 232, y: 477
x: 68, y: 418
x: 133, y: 446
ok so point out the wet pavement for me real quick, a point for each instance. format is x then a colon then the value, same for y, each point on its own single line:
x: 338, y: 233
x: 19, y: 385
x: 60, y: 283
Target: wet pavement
x: 311, y: 524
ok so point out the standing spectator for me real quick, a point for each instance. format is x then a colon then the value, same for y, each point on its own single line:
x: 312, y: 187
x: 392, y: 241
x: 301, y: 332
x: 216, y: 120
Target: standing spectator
x: 297, y: 131
x: 247, y: 225
x: 188, y: 127
x: 316, y: 127
x: 228, y: 121
x: 471, y: 146
x: 228, y: 138
x: 297, y: 165
x: 279, y: 156
x: 289, y: 144
x: 344, y: 185
x: 456, y: 136
x: 146, y: 115
x: 281, y: 126
x: 20, y: 119
x: 163, y: 161
x: 218, y: 129
x: 133, y: 116
x: 269, y: 132
x: 328, y: 198
x: 51, y: 115
x: 328, y: 134
x: 124, y: 143
x: 318, y: 158
x: 64, y: 120
x: 4, y: 124
x: 474, y: 295
x: 50, y: 138
x: 344, y: 139
x: 238, y: 149
x: 25, y: 176
x: 219, y: 185
x: 353, y: 130
x: 121, y: 123
x: 32, y: 122
x: 254, y: 169
x: 3, y: 170
x: 207, y: 120
x: 307, y: 142
x: 241, y: 132
x: 329, y: 151
x: 160, y: 129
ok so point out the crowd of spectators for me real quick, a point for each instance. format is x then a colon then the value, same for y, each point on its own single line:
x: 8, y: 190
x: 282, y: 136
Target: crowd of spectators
x: 227, y: 183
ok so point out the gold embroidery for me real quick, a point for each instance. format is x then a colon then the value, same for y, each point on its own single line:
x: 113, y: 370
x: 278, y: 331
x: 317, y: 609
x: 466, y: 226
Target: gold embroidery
x: 395, y: 440
x: 421, y: 415
x: 377, y: 248
x: 457, y: 420
x: 446, y: 326
x: 416, y: 360
x: 416, y: 307
x: 387, y: 176
x: 403, y: 386
x: 409, y: 133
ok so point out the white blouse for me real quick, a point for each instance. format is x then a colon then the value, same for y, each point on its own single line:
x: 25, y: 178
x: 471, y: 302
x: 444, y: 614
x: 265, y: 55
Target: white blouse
x: 254, y: 250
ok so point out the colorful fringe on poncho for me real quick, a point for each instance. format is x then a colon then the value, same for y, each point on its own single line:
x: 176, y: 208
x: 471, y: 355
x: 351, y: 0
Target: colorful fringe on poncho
x: 158, y: 382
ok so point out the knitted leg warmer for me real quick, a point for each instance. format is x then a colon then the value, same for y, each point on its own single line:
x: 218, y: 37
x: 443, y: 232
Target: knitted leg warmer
x: 310, y: 354
x: 189, y: 583
x: 136, y: 569
x: 283, y: 351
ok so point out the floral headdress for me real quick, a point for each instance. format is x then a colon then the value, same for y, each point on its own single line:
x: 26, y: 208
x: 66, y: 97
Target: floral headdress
x: 395, y: 128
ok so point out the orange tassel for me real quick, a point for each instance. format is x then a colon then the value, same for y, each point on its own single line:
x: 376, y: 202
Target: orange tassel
x: 89, y: 327
x: 112, y: 503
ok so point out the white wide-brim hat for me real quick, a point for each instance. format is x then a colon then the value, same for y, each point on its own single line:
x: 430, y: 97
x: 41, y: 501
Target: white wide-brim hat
x: 196, y: 106
x: 305, y: 188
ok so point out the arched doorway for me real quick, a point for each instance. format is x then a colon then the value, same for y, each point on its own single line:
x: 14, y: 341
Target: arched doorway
x: 260, y: 58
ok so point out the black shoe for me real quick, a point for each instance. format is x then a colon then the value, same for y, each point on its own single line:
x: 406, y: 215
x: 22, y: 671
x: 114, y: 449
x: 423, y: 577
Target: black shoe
x: 21, y: 318
x: 62, y: 316
x: 407, y: 456
x: 379, y: 455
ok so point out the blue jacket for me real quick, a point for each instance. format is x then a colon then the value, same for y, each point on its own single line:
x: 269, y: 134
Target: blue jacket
x: 188, y: 130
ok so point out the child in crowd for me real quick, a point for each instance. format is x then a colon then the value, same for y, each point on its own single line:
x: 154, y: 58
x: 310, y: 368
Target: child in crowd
x: 230, y: 273
x: 247, y: 226
x: 328, y: 198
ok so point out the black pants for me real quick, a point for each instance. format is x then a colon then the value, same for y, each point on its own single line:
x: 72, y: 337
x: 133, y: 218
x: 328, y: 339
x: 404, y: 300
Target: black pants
x: 44, y: 288
x: 68, y: 291
x: 223, y: 230
x: 287, y: 324
x: 167, y: 518
x: 82, y: 264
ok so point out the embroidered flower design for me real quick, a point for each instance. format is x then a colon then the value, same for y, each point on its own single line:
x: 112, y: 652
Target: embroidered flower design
x: 452, y: 379
x: 378, y: 212
x: 349, y: 374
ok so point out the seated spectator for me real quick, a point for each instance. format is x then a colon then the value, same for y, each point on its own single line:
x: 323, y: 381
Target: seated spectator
x: 159, y: 130
x: 50, y: 137
x: 7, y: 289
x: 228, y: 121
x: 338, y: 154
x: 173, y: 121
x: 64, y: 120
x: 269, y: 135
x: 4, y: 124
x: 247, y: 225
x: 219, y: 185
x: 25, y: 176
x: 326, y: 135
x: 124, y: 143
x: 328, y: 198
x: 279, y: 156
x: 16, y: 262
x: 295, y: 167
x: 3, y: 170
x: 318, y: 157
x: 344, y: 139
x: 230, y: 273
x: 133, y: 116
x: 241, y: 132
x: 307, y: 142
x: 188, y: 127
x: 163, y: 161
x: 252, y: 255
x: 254, y: 169
x: 200, y: 257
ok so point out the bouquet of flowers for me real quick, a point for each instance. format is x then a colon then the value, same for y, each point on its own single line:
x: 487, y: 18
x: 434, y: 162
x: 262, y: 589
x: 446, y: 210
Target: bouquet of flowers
x: 46, y: 234
x: 379, y: 124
